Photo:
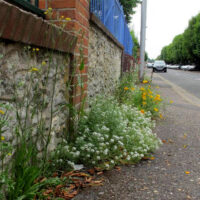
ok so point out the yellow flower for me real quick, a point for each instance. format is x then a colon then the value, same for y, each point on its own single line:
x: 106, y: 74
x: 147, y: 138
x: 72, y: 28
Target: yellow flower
x: 142, y: 111
x: 150, y: 92
x: 2, y: 112
x: 187, y: 172
x: 62, y: 17
x: 50, y: 9
x: 9, y: 154
x: 43, y: 63
x: 161, y: 116
x: 34, y: 69
x: 151, y: 96
x: 2, y: 138
x: 132, y: 88
x: 142, y: 89
x: 156, y: 109
x: 145, y: 81
x: 68, y: 19
x: 144, y: 103
x: 157, y: 87
x: 126, y: 88
x: 37, y: 49
x: 45, y: 12
x: 33, y: 49
x: 144, y: 98
x: 171, y: 101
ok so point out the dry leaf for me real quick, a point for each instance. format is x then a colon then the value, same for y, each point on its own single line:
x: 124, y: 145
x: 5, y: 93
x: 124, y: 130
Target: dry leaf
x: 91, y: 171
x: 99, y: 173
x: 117, y: 168
x: 47, y: 192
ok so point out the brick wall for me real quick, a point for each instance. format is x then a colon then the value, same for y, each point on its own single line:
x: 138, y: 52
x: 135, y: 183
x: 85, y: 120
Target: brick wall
x: 78, y: 11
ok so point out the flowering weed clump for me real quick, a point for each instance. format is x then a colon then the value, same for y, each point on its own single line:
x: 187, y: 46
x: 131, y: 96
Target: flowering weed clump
x: 111, y: 134
x: 141, y: 96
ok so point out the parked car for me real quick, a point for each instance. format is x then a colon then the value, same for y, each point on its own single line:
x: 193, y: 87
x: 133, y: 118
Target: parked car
x: 149, y: 65
x: 174, y: 66
x: 159, y: 65
x: 187, y: 67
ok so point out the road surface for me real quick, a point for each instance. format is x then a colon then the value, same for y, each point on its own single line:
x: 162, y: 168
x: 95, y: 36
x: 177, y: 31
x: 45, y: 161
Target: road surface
x: 189, y: 81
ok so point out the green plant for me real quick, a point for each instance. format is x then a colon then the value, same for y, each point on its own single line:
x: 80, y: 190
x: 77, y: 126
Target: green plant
x: 142, y: 96
x: 110, y: 134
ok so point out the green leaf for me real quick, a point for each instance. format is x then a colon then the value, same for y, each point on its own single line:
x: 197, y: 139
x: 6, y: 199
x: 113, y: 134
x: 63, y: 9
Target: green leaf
x: 82, y: 65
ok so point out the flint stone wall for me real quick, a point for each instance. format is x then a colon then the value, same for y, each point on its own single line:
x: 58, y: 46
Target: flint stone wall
x: 104, y: 60
x: 16, y: 62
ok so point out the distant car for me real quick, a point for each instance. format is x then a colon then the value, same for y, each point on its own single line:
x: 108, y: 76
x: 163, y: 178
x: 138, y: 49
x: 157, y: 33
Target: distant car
x: 187, y: 67
x: 149, y: 65
x: 173, y: 66
x: 159, y: 65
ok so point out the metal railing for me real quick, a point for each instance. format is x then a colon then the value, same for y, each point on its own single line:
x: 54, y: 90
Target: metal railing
x: 29, y: 5
x: 111, y: 14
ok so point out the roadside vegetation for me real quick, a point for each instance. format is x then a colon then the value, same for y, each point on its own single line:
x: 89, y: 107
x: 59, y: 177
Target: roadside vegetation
x: 185, y: 48
x: 115, y: 130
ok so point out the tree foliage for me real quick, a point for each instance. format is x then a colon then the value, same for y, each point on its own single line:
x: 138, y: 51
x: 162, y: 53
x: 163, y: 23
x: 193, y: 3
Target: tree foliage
x: 136, y: 45
x: 185, y: 48
x: 128, y: 6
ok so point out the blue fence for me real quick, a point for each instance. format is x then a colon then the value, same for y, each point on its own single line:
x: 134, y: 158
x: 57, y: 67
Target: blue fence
x: 111, y: 14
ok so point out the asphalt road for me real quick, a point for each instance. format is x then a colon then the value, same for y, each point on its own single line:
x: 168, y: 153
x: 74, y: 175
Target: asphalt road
x: 189, y: 81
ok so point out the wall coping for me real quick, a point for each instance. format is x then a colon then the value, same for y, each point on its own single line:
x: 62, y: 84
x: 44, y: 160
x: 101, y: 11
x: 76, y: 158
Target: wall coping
x: 22, y: 26
x: 101, y: 26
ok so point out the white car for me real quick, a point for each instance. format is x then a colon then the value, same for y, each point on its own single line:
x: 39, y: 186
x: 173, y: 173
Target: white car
x: 187, y: 67
x: 159, y: 65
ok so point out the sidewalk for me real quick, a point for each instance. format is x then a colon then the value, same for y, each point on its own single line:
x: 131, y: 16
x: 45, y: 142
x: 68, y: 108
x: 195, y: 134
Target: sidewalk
x: 174, y: 174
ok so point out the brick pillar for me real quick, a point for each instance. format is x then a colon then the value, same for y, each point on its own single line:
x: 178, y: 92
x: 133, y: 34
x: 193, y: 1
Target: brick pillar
x: 78, y: 11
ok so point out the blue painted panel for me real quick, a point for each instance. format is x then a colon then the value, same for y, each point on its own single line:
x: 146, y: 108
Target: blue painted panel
x: 111, y: 14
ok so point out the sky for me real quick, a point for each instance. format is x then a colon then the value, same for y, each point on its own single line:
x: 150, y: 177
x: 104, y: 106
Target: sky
x: 165, y: 20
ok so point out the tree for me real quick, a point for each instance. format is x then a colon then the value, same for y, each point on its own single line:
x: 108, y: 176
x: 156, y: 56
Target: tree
x: 128, y: 6
x: 185, y: 48
x: 136, y: 45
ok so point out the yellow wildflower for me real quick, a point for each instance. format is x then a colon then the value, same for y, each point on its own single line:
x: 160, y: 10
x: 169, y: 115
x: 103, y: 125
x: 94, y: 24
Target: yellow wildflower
x: 142, y: 111
x: 144, y: 98
x: 62, y: 17
x: 34, y: 69
x: 33, y: 49
x: 187, y: 172
x: 151, y: 96
x: 9, y: 154
x: 150, y: 92
x: 50, y: 9
x: 126, y: 88
x: 161, y: 116
x: 132, y: 88
x: 45, y: 12
x: 2, y: 112
x: 144, y: 103
x: 68, y: 19
x: 157, y: 87
x: 145, y: 81
x: 37, y: 49
x: 2, y: 138
x: 156, y: 109
x: 171, y: 101
x: 142, y: 89
x: 43, y: 63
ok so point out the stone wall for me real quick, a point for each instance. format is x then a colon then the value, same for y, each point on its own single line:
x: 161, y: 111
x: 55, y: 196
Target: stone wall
x: 34, y: 78
x: 104, y: 60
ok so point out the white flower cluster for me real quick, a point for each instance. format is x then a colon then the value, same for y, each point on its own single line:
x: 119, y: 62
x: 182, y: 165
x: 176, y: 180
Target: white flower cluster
x: 111, y: 133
